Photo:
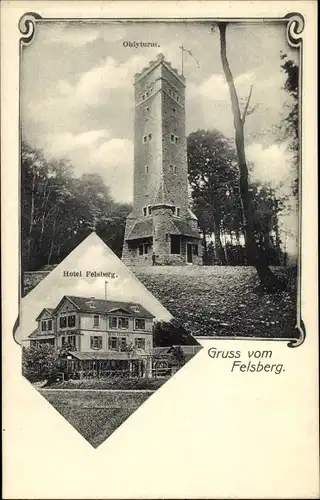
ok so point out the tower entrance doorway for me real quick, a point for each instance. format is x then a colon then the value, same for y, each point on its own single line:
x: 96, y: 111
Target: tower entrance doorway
x: 189, y: 253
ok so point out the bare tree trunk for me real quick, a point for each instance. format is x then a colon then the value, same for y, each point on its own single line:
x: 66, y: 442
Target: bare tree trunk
x: 205, y: 248
x: 52, y: 239
x: 31, y: 221
x: 254, y: 253
x: 217, y: 240
x: 225, y: 251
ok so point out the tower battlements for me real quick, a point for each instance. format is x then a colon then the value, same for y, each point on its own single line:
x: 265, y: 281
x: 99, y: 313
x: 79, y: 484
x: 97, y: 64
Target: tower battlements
x: 153, y: 65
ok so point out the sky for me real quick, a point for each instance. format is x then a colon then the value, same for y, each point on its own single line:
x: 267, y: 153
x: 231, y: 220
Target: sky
x: 77, y: 92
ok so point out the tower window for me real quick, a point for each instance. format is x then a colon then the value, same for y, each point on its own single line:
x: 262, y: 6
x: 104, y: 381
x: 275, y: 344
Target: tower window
x: 144, y: 211
x: 146, y: 169
x: 174, y: 110
x: 147, y: 109
x: 178, y: 98
x: 143, y: 97
x: 171, y: 169
x: 149, y: 209
x: 177, y: 211
x: 195, y: 250
x: 175, y: 169
x: 175, y: 244
x: 147, y: 138
x: 140, y: 249
x: 174, y: 139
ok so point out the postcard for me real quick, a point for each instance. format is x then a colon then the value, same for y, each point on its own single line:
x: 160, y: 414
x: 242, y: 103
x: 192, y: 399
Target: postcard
x: 159, y: 241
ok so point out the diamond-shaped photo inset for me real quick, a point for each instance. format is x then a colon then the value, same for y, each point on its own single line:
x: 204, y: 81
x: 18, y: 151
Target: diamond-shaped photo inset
x: 95, y: 343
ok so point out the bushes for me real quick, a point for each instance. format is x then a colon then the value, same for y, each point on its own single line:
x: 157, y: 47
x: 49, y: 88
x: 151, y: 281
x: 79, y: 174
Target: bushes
x: 40, y: 363
x: 115, y: 384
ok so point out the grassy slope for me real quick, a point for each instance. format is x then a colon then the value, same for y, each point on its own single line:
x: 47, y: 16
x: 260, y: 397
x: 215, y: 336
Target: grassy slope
x: 223, y: 301
x: 95, y: 415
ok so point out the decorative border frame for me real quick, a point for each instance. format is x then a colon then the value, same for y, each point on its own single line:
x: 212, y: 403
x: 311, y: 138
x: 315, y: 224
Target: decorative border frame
x: 295, y: 26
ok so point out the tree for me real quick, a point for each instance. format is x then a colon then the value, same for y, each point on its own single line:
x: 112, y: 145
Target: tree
x: 213, y: 179
x: 254, y: 252
x: 291, y: 121
x: 168, y: 333
x: 59, y: 210
x: 39, y: 362
x: 267, y: 206
x: 177, y: 355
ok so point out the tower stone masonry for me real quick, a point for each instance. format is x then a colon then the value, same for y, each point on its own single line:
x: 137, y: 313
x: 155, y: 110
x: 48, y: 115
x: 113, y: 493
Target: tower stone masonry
x: 161, y: 228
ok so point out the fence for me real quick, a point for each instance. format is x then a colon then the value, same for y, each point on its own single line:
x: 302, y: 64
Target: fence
x: 116, y: 374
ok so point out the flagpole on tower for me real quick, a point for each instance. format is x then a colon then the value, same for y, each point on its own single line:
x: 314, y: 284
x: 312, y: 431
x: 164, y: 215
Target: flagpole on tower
x: 183, y: 49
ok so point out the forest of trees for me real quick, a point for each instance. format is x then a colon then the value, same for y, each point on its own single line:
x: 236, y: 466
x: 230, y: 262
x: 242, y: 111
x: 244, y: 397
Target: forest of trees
x: 58, y: 210
x: 214, y: 179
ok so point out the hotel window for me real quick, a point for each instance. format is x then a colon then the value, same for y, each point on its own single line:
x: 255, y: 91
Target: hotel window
x: 144, y: 211
x: 172, y: 138
x: 143, y: 97
x: 72, y: 341
x: 195, y: 249
x: 63, y: 322
x: 140, y: 324
x: 175, y: 244
x: 113, y: 322
x: 149, y: 137
x: 96, y: 320
x: 177, y: 211
x: 175, y: 169
x: 68, y: 341
x: 176, y: 140
x: 96, y: 342
x: 113, y: 343
x: 149, y: 209
x: 71, y: 321
x: 171, y: 169
x: 123, y: 323
x: 49, y: 324
x: 147, y: 109
x: 145, y: 139
x: 43, y: 326
x: 178, y: 98
x: 140, y: 249
x: 123, y: 344
x: 145, y: 248
x: 174, y: 110
x: 140, y: 343
x: 146, y: 169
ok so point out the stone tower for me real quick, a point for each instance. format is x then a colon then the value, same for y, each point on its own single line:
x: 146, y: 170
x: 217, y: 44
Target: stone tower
x: 161, y: 222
